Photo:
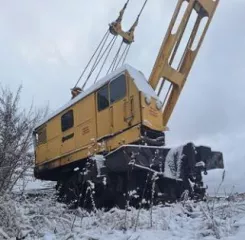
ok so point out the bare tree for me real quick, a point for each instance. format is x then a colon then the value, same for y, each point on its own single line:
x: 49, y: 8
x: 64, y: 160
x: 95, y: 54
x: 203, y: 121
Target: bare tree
x: 16, y: 126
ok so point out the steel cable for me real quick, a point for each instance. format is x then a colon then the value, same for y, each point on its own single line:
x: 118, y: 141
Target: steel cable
x: 123, y: 56
x: 103, y: 40
x: 113, y: 42
x: 111, y: 68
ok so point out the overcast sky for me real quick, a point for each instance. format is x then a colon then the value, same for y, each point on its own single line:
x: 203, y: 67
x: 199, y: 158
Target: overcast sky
x: 45, y: 44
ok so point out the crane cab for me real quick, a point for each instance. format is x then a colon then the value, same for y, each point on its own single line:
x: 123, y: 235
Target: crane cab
x: 120, y: 109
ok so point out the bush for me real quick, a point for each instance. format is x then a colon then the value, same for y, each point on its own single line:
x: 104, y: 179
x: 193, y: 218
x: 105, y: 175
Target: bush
x: 16, y: 126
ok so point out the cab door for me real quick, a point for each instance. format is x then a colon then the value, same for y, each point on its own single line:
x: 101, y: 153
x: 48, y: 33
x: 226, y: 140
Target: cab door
x: 103, y: 112
x: 118, y: 103
x: 68, y: 134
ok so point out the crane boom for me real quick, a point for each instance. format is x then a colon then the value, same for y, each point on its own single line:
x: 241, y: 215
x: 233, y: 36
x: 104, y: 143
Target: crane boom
x: 163, y: 69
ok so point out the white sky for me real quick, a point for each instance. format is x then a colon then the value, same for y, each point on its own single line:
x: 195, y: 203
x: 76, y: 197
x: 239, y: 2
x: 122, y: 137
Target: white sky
x: 45, y: 44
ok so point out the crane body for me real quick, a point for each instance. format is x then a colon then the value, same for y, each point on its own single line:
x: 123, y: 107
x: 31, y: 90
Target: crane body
x: 113, y: 133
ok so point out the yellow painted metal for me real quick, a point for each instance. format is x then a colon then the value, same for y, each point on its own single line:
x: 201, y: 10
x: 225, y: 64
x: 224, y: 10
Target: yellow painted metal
x: 132, y: 112
x: 151, y: 116
x: 128, y: 37
x: 85, y: 121
x: 83, y: 132
x: 104, y: 123
x: 97, y: 131
x: 117, y: 114
x: 163, y: 69
x: 41, y: 152
x: 116, y: 28
x: 120, y: 123
x: 131, y: 135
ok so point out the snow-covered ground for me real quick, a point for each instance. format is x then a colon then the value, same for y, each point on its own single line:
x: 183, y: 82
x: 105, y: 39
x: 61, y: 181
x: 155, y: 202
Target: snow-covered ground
x: 41, y: 217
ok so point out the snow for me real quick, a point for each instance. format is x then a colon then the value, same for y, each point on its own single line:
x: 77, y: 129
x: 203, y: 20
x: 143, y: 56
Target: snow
x: 138, y: 78
x: 49, y: 236
x: 172, y: 167
x: 147, y: 122
x: 30, y: 183
x: 141, y: 82
x: 100, y: 163
x: 3, y: 234
x: 200, y: 164
x: 42, y: 217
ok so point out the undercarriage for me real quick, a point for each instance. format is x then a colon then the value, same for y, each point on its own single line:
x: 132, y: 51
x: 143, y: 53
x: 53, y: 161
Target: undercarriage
x: 139, y: 176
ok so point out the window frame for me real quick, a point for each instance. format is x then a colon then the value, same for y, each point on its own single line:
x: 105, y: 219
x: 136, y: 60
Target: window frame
x: 40, y: 136
x: 64, y: 129
x: 126, y: 90
x: 108, y: 97
x: 108, y: 85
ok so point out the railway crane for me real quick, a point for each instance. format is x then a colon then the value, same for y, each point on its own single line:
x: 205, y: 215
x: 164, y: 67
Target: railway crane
x: 106, y: 146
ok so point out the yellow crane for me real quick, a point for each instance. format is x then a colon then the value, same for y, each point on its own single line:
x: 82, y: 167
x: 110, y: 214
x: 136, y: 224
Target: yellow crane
x: 107, y: 145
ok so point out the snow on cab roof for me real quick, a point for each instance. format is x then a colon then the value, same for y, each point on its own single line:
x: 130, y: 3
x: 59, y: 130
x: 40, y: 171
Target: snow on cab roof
x: 138, y: 78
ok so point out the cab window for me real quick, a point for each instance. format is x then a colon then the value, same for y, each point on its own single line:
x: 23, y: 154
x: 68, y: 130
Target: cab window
x: 41, y: 136
x: 103, y: 98
x: 67, y: 121
x: 118, y: 88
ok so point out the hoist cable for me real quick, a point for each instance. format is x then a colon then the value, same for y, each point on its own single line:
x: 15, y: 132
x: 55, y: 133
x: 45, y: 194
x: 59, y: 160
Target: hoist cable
x: 126, y: 4
x: 105, y: 49
x: 126, y: 54
x: 98, y: 60
x: 121, y: 13
x: 122, y: 56
x: 143, y: 7
x: 113, y: 42
x: 115, y: 59
x: 104, y: 37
